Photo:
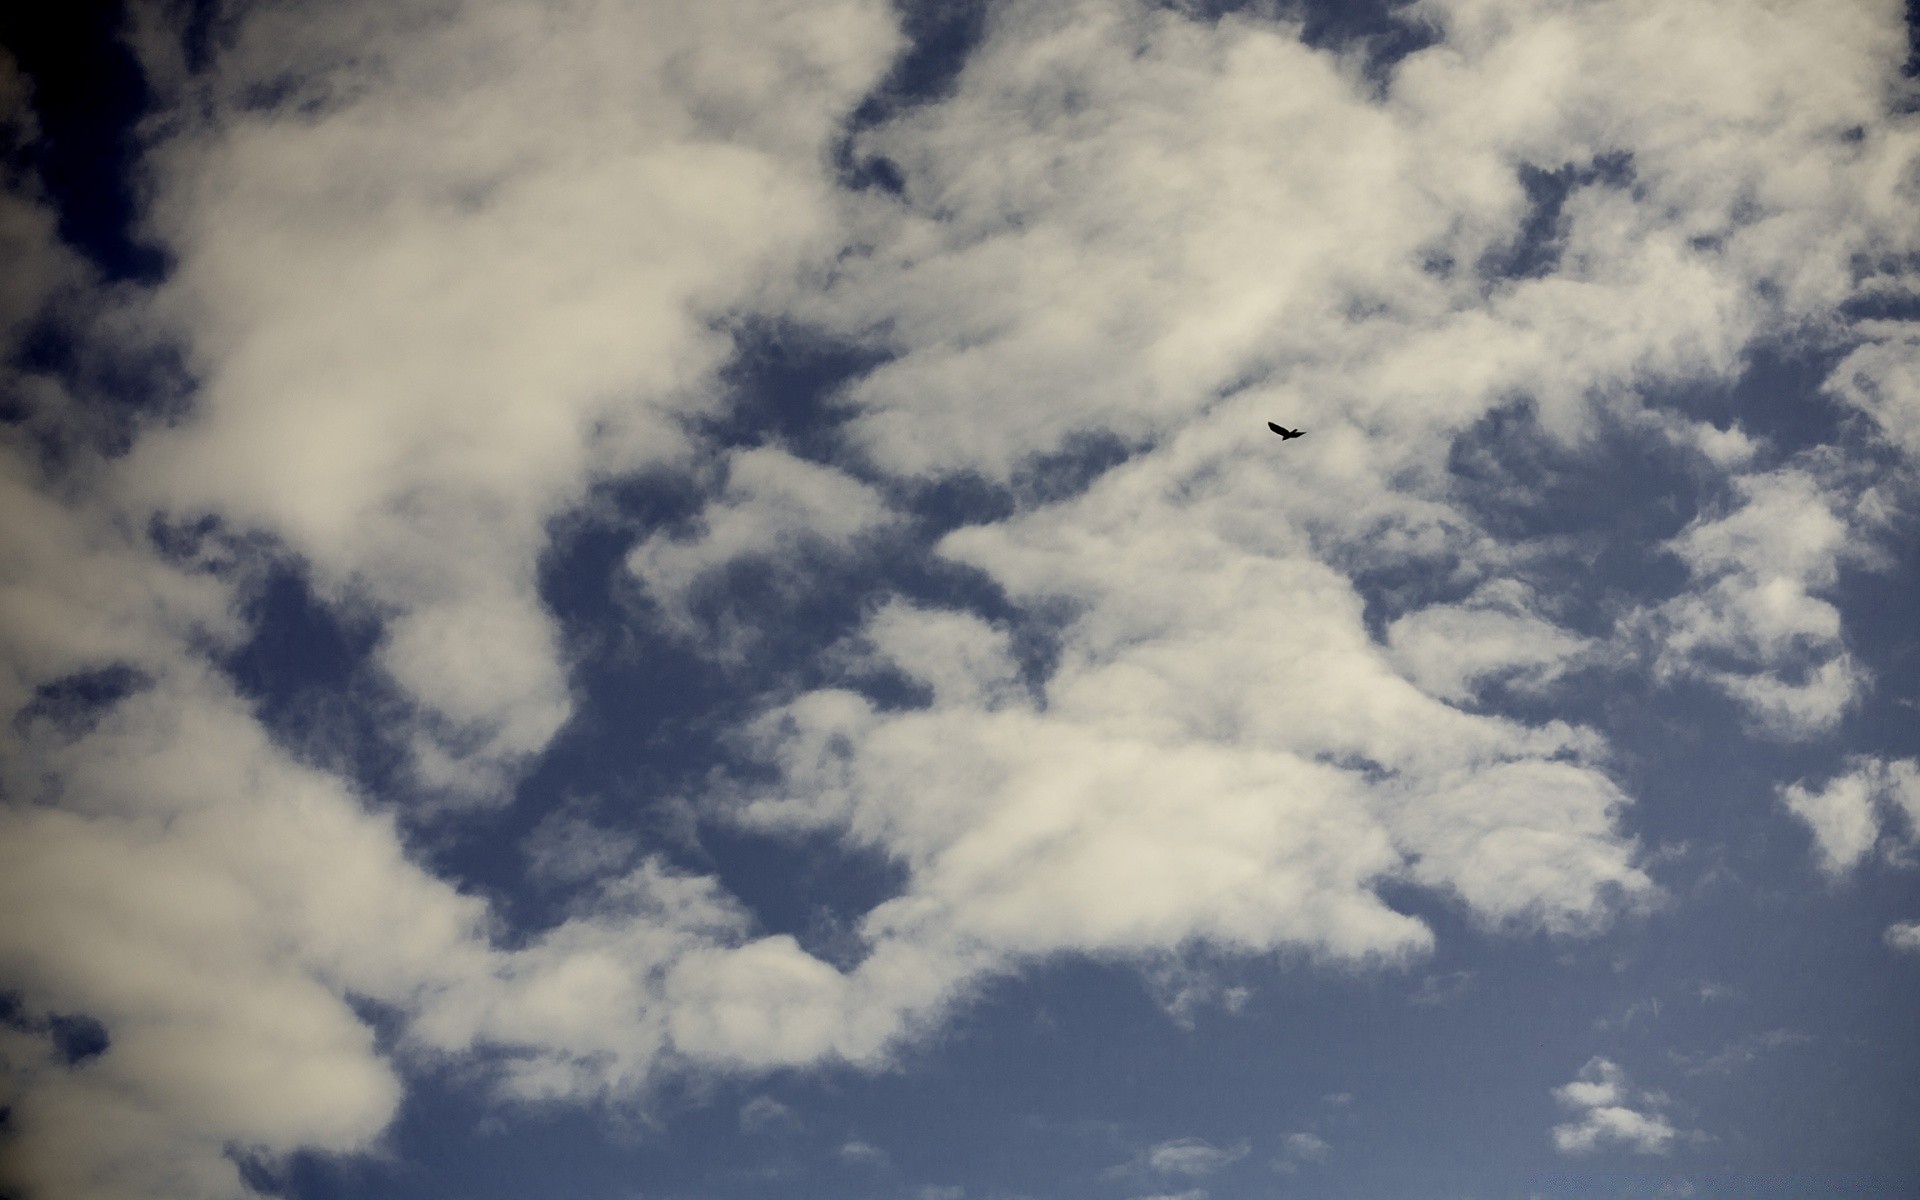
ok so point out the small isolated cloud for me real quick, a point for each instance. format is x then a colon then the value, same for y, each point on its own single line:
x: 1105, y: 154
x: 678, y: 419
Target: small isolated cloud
x: 764, y: 1114
x: 1193, y: 1156
x: 1306, y: 1145
x: 1904, y: 935
x: 1876, y: 804
x: 1436, y: 990
x: 1609, y: 1112
x: 1300, y: 1147
x: 1737, y: 1054
x: 859, y: 1153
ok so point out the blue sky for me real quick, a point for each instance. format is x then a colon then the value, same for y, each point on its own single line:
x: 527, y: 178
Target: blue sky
x: 642, y: 600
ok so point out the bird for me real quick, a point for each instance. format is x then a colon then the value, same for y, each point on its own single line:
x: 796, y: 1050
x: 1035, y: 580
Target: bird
x: 1286, y: 435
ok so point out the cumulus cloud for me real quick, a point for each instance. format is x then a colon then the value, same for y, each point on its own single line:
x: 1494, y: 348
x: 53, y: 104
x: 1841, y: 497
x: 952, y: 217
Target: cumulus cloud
x: 1450, y: 649
x: 1757, y: 624
x: 425, y: 312
x: 1876, y: 804
x: 439, y: 269
x: 1608, y: 1112
x: 471, y: 263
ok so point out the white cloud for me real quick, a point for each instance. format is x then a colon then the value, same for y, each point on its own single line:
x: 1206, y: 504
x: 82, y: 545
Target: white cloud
x: 426, y: 311
x: 469, y: 266
x: 1183, y: 988
x: 1757, y: 618
x: 1876, y: 803
x: 1193, y: 1156
x: 1451, y: 649
x: 1609, y: 1112
x: 764, y: 1114
x: 1882, y: 378
x: 775, y: 509
x: 1300, y: 1147
x: 472, y: 265
x: 857, y: 1152
x: 1904, y: 935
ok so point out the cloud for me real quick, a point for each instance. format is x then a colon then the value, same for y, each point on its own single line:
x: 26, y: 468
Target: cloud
x: 764, y: 1114
x: 1875, y: 804
x: 1438, y: 990
x: 1182, y: 989
x: 858, y: 1153
x: 1450, y: 650
x: 1881, y: 377
x: 1609, y: 1112
x: 470, y: 264
x: 568, y: 848
x: 1739, y: 1053
x: 425, y: 312
x: 775, y: 510
x: 1904, y: 935
x: 1756, y: 625
x: 1192, y: 1156
x: 1306, y: 1145
x: 440, y: 270
x: 1301, y: 1147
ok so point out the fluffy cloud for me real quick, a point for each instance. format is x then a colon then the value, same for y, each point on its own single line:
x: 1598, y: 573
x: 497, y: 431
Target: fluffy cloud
x: 1448, y: 650
x: 455, y: 267
x: 440, y: 268
x: 470, y: 262
x: 1607, y: 1111
x: 1876, y: 803
x: 1757, y: 625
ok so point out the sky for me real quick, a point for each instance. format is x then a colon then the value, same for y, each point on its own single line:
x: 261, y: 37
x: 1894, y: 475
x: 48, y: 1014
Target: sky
x: 610, y: 600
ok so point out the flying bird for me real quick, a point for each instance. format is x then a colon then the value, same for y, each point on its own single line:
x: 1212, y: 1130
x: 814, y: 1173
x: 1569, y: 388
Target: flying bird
x: 1286, y: 435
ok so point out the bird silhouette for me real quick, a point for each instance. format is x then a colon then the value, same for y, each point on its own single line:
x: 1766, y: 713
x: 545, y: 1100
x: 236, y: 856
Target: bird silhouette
x: 1286, y: 435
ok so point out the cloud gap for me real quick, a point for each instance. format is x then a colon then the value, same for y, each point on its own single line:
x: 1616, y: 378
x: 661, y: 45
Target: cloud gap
x: 308, y: 668
x: 813, y: 886
x: 89, y: 96
x: 1537, y: 246
x: 940, y: 36
x: 1378, y: 33
x: 73, y: 704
